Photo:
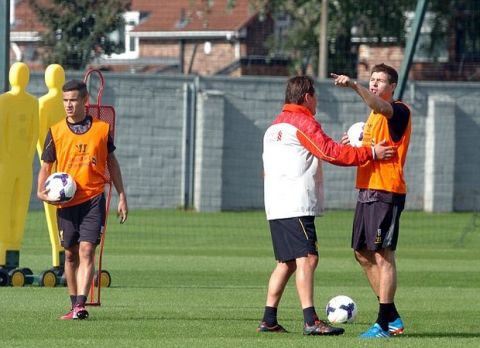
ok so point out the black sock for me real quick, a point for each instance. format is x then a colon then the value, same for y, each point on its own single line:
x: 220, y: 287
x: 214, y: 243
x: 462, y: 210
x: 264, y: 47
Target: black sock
x: 310, y: 316
x: 384, y: 315
x: 73, y: 299
x: 81, y: 299
x: 270, y: 316
x: 393, y: 314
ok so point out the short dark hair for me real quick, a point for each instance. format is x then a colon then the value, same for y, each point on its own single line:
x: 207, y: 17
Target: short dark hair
x: 391, y: 72
x: 76, y: 85
x: 297, y: 87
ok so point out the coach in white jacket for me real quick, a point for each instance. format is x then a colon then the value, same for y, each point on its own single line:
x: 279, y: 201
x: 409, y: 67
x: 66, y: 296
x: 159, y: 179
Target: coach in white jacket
x: 293, y: 147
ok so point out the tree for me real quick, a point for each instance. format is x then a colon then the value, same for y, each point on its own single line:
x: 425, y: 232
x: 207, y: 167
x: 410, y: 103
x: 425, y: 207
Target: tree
x: 370, y: 21
x: 77, y: 31
x: 299, y: 40
x: 457, y: 24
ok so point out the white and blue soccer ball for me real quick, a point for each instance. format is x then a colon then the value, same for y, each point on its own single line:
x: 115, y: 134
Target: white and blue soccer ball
x: 61, y: 187
x: 355, y: 134
x: 341, y: 309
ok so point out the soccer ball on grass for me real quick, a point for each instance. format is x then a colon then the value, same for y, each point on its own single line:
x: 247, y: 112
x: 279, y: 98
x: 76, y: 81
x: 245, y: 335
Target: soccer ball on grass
x: 341, y: 309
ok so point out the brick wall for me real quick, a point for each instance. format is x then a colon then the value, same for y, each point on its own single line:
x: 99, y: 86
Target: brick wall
x: 157, y: 48
x: 222, y: 54
x: 368, y: 56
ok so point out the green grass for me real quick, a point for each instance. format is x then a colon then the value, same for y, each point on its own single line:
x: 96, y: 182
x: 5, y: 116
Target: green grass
x: 184, y: 279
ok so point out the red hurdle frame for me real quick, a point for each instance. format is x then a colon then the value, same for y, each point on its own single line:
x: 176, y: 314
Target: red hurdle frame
x: 107, y: 114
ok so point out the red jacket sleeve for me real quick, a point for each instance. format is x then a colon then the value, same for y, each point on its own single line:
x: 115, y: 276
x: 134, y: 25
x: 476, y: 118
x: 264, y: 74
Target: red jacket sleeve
x: 323, y: 147
x: 314, y: 139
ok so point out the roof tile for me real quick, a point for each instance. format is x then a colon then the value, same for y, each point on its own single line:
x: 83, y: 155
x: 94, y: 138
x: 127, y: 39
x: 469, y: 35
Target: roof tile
x: 179, y: 15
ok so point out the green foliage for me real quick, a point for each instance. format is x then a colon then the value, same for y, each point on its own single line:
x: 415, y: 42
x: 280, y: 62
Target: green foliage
x: 455, y: 24
x: 78, y: 31
x: 373, y: 21
x: 298, y: 41
x: 461, y: 17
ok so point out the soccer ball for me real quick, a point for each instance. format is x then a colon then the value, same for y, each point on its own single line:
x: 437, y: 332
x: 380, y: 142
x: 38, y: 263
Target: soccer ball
x: 341, y: 309
x: 355, y: 134
x: 61, y: 187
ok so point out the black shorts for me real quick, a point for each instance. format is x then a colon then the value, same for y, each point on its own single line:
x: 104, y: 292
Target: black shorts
x: 293, y: 238
x: 376, y: 225
x: 82, y: 223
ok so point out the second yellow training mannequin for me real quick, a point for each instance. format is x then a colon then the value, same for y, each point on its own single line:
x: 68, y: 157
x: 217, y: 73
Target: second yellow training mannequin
x: 51, y: 111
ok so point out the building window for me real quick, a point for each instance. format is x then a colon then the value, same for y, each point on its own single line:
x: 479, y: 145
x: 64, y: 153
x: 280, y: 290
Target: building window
x: 281, y: 26
x: 130, y: 43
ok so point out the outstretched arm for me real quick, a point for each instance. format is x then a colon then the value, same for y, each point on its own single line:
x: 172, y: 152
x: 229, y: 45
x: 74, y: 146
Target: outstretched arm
x: 373, y: 101
x: 380, y: 150
x: 341, y: 155
x: 116, y: 175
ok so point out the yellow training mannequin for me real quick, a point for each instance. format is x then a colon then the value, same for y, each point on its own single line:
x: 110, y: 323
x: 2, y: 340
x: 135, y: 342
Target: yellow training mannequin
x: 18, y: 136
x: 51, y: 111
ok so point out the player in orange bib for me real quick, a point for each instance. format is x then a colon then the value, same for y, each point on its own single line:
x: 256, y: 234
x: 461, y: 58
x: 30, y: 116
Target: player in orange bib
x: 81, y: 146
x: 382, y: 192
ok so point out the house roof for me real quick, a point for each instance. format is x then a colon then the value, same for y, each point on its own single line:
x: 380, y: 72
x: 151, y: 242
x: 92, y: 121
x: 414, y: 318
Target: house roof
x: 159, y: 18
x: 189, y: 16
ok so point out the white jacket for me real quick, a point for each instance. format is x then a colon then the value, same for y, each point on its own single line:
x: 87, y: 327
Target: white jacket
x: 292, y: 148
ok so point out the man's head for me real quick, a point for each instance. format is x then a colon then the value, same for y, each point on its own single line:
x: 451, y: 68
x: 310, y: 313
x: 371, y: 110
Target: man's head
x: 301, y: 91
x: 76, y: 85
x: 383, y: 80
x: 74, y: 98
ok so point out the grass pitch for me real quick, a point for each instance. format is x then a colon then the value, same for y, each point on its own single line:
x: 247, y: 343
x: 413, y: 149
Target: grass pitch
x: 184, y: 279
